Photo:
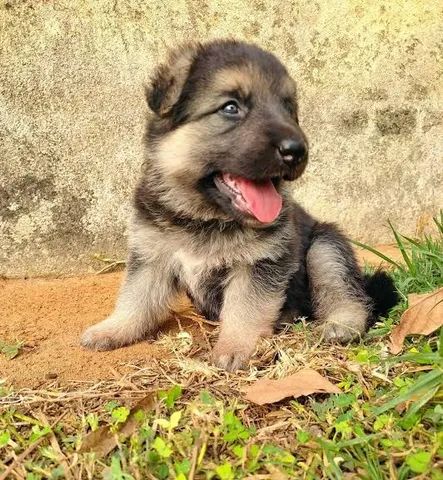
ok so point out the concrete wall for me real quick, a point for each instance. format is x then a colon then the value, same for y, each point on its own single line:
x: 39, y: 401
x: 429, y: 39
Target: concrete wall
x: 72, y: 113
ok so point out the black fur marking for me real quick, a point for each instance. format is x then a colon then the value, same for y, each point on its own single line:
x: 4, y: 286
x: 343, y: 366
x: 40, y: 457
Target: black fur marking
x: 211, y: 291
x: 271, y: 275
x: 298, y: 295
x: 216, y: 56
x: 164, y: 218
x: 380, y: 287
x: 156, y: 93
x: 134, y: 262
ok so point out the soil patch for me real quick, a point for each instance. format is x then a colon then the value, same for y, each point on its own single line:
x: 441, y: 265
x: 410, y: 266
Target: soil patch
x: 49, y: 315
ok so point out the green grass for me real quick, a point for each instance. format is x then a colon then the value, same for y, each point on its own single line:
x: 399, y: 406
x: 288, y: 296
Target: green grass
x: 387, y: 423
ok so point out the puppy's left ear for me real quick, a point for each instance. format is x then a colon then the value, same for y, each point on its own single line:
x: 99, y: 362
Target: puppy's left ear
x: 168, y: 80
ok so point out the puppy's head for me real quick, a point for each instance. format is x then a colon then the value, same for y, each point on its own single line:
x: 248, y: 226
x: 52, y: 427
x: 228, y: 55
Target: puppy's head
x: 225, y: 136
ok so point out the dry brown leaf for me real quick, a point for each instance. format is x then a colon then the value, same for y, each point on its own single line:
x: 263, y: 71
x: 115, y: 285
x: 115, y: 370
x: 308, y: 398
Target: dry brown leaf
x: 414, y: 298
x: 102, y: 441
x: 423, y: 317
x: 304, y: 382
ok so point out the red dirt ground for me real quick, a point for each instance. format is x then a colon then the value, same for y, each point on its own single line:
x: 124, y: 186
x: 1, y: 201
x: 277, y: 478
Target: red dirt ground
x: 48, y: 315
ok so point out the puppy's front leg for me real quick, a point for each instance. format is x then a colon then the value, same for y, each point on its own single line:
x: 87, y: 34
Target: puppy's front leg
x: 143, y: 305
x: 340, y: 302
x: 249, y: 311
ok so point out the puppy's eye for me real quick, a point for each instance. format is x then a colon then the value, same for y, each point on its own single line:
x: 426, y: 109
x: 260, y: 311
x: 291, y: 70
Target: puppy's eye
x: 289, y: 106
x: 230, y: 109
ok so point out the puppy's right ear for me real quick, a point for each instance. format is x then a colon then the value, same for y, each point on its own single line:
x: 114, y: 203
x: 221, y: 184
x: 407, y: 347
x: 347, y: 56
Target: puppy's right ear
x: 168, y: 80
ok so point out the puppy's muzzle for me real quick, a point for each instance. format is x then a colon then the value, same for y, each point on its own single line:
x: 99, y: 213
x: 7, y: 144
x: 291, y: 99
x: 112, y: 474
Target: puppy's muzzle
x: 292, y: 151
x: 291, y: 154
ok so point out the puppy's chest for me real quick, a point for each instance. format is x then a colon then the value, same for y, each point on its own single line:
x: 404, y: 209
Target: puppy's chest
x: 197, y: 273
x: 204, y: 282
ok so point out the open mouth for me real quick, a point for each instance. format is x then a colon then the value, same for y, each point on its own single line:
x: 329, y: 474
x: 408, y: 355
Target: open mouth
x: 259, y: 199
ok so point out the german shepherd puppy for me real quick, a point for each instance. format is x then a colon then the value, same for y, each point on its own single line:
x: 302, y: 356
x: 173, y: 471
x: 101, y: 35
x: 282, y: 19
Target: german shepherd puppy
x: 214, y: 215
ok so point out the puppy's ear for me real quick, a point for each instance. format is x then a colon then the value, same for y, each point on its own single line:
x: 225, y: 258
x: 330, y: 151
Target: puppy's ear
x: 168, y: 80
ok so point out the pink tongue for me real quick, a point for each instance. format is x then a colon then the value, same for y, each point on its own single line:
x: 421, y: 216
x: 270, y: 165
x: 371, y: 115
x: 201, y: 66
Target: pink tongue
x: 262, y: 199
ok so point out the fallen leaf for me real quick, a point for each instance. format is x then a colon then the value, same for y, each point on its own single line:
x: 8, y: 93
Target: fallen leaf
x: 414, y: 298
x: 103, y: 440
x: 423, y: 317
x: 304, y: 382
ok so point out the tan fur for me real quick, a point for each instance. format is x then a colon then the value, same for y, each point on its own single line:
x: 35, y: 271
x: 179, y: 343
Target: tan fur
x: 246, y: 316
x: 243, y: 80
x: 143, y: 305
x: 175, y: 159
x: 144, y: 301
x: 176, y: 71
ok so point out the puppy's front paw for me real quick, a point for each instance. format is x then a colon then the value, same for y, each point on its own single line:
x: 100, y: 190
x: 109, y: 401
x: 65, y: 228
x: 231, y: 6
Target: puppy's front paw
x: 106, y: 335
x: 339, y: 333
x: 346, y: 324
x: 342, y: 329
x: 231, y: 356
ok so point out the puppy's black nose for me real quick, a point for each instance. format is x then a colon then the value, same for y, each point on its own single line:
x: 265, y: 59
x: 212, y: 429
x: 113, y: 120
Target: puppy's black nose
x: 292, y: 150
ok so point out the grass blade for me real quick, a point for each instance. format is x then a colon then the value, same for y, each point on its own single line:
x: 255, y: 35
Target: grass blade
x: 439, y: 223
x: 415, y: 407
x: 402, y: 249
x: 424, y: 251
x: 423, y: 358
x: 358, y: 441
x: 379, y: 254
x: 427, y: 382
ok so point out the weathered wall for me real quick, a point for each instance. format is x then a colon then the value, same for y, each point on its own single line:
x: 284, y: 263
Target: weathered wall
x: 72, y: 112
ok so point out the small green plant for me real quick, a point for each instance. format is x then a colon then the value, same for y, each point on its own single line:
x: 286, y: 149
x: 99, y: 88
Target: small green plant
x: 10, y: 350
x: 233, y: 428
x: 171, y: 396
